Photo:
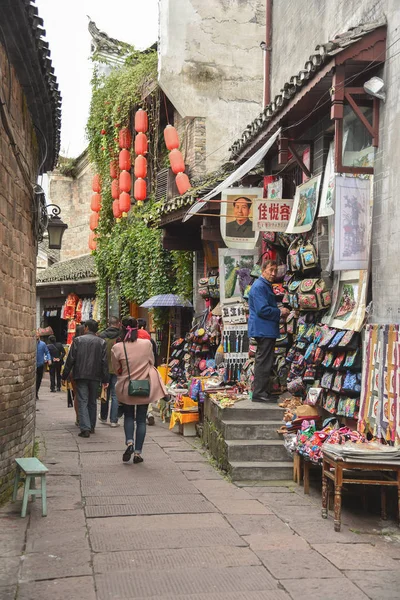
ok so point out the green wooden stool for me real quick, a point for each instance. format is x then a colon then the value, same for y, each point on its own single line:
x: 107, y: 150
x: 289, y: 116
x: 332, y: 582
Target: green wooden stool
x: 31, y: 468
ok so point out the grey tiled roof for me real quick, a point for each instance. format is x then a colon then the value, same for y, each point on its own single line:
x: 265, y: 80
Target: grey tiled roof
x: 74, y: 269
x: 323, y: 53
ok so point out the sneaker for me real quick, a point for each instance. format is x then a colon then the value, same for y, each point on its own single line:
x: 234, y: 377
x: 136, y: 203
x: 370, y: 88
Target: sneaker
x: 150, y: 419
x: 104, y: 421
x: 92, y: 430
x: 128, y: 453
x: 84, y: 434
x: 114, y: 425
x: 137, y: 459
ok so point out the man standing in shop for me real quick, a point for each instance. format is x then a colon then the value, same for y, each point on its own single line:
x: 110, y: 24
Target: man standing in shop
x: 263, y: 325
x: 111, y: 335
x: 88, y: 358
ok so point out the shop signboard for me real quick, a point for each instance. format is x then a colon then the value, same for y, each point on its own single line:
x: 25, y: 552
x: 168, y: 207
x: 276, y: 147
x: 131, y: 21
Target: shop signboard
x: 272, y: 214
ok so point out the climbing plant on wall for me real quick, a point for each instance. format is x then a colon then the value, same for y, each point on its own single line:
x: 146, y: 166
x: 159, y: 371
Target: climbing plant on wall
x: 129, y: 254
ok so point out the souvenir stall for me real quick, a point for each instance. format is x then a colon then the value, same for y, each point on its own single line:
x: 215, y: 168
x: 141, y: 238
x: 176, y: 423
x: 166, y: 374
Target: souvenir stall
x: 77, y: 310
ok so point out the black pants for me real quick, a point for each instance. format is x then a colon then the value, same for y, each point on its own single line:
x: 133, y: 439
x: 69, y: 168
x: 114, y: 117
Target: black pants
x: 263, y: 363
x: 55, y: 373
x: 39, y: 377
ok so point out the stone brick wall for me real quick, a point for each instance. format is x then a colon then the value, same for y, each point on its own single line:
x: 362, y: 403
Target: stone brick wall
x: 73, y: 196
x: 17, y: 282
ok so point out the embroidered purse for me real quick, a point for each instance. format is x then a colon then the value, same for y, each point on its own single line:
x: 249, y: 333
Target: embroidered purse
x: 309, y: 374
x: 328, y: 360
x: 338, y: 382
x: 330, y: 403
x: 350, y: 340
x: 313, y: 396
x: 339, y: 360
x: 327, y: 379
x: 308, y: 256
x: 353, y: 360
x: 335, y: 341
x: 313, y: 295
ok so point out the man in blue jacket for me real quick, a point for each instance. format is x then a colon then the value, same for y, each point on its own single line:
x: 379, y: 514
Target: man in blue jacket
x: 42, y: 356
x: 264, y: 327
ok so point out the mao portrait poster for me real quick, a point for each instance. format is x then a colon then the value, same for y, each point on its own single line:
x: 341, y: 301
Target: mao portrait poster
x: 305, y: 206
x: 237, y: 209
x: 353, y: 210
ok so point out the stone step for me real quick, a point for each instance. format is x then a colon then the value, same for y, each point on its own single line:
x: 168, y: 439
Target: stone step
x: 255, y: 450
x: 251, y: 430
x: 252, y: 411
x: 261, y: 471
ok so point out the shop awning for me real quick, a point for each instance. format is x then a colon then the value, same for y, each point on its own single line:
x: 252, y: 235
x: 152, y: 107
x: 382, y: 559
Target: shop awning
x: 240, y: 172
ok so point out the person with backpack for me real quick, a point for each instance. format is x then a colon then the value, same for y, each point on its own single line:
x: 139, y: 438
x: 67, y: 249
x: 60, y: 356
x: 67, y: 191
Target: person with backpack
x: 57, y: 354
x: 111, y: 335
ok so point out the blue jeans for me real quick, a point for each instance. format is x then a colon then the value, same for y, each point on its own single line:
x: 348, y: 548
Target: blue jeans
x: 114, y: 401
x: 87, y: 392
x: 129, y: 422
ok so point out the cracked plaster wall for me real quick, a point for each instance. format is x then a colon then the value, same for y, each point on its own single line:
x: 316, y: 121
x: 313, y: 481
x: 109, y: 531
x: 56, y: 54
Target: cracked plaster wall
x: 211, y: 65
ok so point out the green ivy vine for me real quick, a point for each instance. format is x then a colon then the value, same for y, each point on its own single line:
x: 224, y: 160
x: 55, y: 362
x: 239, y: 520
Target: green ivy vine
x: 130, y: 254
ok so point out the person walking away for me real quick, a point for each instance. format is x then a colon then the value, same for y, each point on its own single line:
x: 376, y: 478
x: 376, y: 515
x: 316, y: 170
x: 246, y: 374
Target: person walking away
x: 263, y: 325
x: 42, y: 356
x: 70, y: 383
x: 57, y: 354
x: 133, y: 359
x: 110, y: 335
x: 144, y: 335
x: 87, y: 358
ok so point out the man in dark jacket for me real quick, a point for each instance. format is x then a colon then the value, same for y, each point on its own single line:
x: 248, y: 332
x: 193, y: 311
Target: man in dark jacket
x: 263, y: 325
x: 88, y: 358
x: 57, y: 354
x: 110, y: 335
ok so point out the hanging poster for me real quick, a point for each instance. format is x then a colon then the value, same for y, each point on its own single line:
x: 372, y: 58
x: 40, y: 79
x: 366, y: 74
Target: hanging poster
x: 235, y: 266
x: 237, y: 209
x: 305, y: 206
x: 353, y: 211
x: 349, y: 311
x: 275, y: 189
x: 326, y: 207
x: 327, y: 318
x: 272, y: 215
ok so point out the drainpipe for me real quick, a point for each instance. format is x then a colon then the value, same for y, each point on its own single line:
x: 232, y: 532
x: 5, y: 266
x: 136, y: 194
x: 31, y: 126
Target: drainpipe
x: 267, y: 54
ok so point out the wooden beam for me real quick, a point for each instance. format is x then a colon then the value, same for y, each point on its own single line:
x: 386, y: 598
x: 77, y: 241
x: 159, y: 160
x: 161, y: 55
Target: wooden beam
x: 299, y: 160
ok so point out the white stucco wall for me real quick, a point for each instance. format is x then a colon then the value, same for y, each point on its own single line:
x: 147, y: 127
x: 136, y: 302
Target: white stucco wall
x: 211, y: 65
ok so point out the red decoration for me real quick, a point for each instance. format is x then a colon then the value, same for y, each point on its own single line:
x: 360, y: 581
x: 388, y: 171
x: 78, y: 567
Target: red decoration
x: 141, y: 121
x: 94, y: 221
x: 176, y: 161
x: 124, y: 203
x: 114, y: 169
x: 125, y: 138
x: 92, y: 241
x: 140, y: 166
x: 140, y: 189
x: 115, y: 192
x: 125, y: 181
x: 96, y: 184
x: 95, y: 204
x: 141, y: 144
x: 182, y: 183
x: 171, y: 137
x: 117, y: 212
x: 103, y: 132
x: 125, y: 160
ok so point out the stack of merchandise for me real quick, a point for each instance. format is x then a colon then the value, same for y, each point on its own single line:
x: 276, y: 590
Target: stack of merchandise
x: 201, y: 345
x: 176, y: 363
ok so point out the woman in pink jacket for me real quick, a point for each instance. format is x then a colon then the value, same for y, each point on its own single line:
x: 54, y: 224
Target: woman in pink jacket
x: 139, y: 353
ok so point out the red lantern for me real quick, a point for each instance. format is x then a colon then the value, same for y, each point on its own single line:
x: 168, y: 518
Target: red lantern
x: 141, y: 121
x: 182, y: 183
x: 171, y: 137
x: 92, y: 241
x: 140, y: 189
x: 176, y: 161
x: 141, y: 143
x: 124, y: 203
x: 113, y: 169
x: 96, y: 185
x: 94, y: 221
x: 125, y: 160
x: 115, y: 189
x: 125, y: 138
x: 117, y: 212
x: 95, y: 204
x: 140, y: 166
x: 125, y: 181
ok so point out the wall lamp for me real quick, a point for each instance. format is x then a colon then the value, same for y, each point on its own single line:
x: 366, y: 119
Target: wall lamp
x: 49, y: 221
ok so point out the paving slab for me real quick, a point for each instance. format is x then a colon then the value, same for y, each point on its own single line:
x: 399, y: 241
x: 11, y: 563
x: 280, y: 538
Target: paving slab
x: 56, y: 521
x: 12, y: 535
x: 227, y: 506
x: 68, y: 588
x: 9, y: 567
x: 281, y: 500
x: 175, y: 558
x: 212, y: 487
x: 190, y: 456
x: 363, y: 557
x: 151, y: 505
x: 265, y: 595
x: 378, y: 585
x: 125, y: 586
x: 328, y: 589
x: 48, y: 565
x: 198, y: 471
x: 323, y: 531
x: 55, y: 543
x: 256, y: 524
x: 265, y: 489
x: 8, y: 592
x: 157, y: 523
x: 283, y: 563
x: 274, y: 543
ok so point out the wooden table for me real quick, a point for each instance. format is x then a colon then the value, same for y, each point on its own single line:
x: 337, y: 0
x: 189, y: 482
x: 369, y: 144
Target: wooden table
x: 342, y: 472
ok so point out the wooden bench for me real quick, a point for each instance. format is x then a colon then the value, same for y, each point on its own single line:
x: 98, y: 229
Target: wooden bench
x: 31, y: 468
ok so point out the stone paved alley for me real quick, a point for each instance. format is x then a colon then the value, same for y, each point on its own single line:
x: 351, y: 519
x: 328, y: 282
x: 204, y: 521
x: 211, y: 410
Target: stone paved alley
x: 173, y: 527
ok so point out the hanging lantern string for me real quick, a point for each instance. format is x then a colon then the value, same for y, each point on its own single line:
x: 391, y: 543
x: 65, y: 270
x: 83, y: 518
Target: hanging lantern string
x: 166, y: 110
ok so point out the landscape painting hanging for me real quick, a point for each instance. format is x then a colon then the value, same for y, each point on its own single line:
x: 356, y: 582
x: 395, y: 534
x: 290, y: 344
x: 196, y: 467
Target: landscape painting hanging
x: 305, y: 206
